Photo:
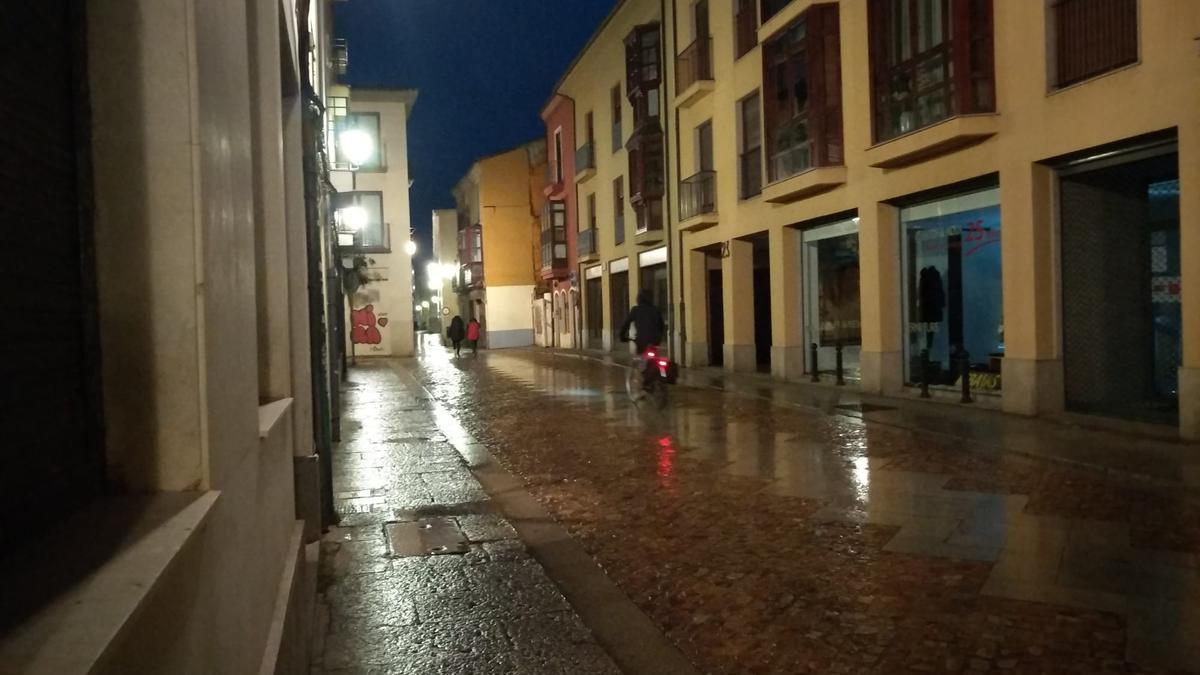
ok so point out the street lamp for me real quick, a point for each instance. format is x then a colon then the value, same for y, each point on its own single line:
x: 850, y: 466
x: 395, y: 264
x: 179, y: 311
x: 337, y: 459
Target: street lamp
x: 357, y: 146
x: 410, y: 247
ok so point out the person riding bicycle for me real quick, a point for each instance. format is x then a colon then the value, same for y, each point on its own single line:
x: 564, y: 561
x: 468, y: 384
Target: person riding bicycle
x: 648, y: 325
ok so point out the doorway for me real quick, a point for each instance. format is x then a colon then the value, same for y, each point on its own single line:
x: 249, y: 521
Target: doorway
x: 1121, y: 309
x: 715, y: 298
x: 762, y: 302
x: 618, y: 285
x: 832, y: 307
x: 594, y: 308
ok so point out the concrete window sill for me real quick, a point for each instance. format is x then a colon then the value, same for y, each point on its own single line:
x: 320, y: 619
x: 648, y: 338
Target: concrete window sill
x: 70, y: 597
x: 933, y: 141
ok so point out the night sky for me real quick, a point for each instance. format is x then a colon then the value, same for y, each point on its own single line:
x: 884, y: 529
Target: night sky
x: 484, y: 69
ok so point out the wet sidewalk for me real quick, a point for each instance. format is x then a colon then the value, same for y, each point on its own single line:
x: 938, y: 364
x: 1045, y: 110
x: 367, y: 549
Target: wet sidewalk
x: 423, y: 576
x: 1083, y: 442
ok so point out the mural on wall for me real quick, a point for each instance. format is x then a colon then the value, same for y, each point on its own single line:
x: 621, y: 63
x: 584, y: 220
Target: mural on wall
x: 368, y: 320
x: 365, y: 326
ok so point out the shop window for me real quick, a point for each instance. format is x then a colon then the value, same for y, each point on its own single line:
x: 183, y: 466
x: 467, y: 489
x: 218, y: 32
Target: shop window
x: 802, y: 95
x: 359, y: 220
x: 952, y: 282
x: 1092, y: 37
x: 930, y: 60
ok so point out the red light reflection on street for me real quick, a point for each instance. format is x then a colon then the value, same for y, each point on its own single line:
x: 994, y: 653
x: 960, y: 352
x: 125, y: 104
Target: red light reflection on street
x: 666, y: 463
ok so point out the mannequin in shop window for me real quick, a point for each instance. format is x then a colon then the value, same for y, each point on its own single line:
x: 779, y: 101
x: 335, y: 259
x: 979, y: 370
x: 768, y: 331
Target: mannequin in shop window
x: 931, y: 301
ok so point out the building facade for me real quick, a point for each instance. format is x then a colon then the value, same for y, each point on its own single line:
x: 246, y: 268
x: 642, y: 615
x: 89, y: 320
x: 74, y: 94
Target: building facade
x: 371, y: 208
x: 445, y: 269
x: 839, y: 176
x: 562, y: 311
x: 499, y: 207
x: 621, y: 129
x: 172, y: 435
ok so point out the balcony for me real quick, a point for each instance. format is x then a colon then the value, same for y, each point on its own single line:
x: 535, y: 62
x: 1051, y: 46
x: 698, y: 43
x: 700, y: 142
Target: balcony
x: 933, y: 141
x: 471, y: 275
x: 554, y: 254
x: 340, y: 56
x: 698, y: 201
x: 585, y: 162
x: 693, y: 67
x: 587, y: 246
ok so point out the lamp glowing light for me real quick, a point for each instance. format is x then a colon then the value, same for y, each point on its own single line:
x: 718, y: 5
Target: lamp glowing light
x: 357, y: 146
x: 353, y: 218
x: 410, y: 247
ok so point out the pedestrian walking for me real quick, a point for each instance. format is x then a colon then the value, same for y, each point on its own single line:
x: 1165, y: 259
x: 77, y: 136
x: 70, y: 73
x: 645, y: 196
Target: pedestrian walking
x: 457, y: 332
x: 473, y: 336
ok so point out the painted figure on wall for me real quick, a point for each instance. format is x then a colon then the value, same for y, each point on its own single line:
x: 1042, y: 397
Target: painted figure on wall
x: 365, y: 327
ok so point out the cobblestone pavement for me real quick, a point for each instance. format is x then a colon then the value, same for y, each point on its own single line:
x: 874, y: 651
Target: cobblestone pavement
x: 423, y: 576
x: 764, y: 539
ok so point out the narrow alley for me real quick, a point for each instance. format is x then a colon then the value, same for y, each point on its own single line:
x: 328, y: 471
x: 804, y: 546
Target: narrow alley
x: 756, y: 536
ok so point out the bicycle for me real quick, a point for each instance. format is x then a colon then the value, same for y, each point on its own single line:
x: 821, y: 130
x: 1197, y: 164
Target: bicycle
x: 659, y: 368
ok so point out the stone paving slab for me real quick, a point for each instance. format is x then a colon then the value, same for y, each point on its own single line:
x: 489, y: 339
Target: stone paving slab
x: 388, y: 606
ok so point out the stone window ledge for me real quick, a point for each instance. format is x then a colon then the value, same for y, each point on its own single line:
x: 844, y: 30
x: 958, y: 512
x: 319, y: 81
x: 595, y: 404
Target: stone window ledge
x: 70, y: 597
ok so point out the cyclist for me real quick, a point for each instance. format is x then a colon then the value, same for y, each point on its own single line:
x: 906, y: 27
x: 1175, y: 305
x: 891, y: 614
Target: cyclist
x: 649, y: 326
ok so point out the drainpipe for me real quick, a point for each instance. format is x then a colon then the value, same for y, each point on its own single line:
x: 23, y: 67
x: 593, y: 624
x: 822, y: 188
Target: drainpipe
x: 672, y: 190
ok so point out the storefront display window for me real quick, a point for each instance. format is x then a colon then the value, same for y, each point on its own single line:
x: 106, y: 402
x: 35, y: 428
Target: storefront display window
x: 953, y: 289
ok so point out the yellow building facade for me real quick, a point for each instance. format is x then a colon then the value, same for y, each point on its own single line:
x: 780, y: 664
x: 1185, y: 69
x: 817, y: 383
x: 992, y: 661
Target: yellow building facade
x: 619, y: 252
x: 499, y: 218
x: 1002, y: 192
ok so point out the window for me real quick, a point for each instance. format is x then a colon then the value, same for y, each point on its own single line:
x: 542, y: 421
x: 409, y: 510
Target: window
x: 1092, y: 37
x: 694, y: 63
x: 802, y: 95
x: 750, y: 147
x: 953, y: 288
x: 359, y: 219
x: 617, y: 135
x: 698, y: 192
x: 643, y: 72
x: 591, y: 135
x: 357, y: 143
x: 558, y: 156
x: 554, y: 235
x: 591, y: 204
x: 619, y: 210
x: 772, y: 7
x: 746, y: 25
x: 929, y: 61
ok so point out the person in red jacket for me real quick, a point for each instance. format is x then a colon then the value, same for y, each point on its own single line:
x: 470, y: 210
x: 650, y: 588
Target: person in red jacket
x: 473, y: 336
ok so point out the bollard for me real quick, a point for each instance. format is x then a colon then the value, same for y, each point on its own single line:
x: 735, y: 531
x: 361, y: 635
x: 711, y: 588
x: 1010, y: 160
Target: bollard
x: 924, y: 373
x: 965, y: 368
x: 841, y: 380
x: 812, y: 357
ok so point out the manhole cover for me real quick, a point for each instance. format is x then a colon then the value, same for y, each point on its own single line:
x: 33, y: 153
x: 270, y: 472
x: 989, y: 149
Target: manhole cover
x: 429, y: 536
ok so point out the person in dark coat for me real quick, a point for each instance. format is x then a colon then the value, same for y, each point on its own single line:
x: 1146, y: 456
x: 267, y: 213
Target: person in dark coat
x: 647, y: 322
x: 456, y: 332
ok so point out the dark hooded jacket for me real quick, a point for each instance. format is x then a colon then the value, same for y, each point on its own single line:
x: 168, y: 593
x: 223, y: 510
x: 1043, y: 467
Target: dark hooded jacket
x: 457, y: 330
x: 646, y: 320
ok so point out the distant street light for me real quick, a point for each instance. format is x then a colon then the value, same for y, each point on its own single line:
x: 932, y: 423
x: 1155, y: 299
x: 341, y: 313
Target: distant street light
x: 449, y: 270
x: 410, y: 247
x: 424, y: 304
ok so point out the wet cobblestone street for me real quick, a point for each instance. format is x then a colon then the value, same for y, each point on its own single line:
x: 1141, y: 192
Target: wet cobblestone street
x: 423, y: 576
x: 768, y: 539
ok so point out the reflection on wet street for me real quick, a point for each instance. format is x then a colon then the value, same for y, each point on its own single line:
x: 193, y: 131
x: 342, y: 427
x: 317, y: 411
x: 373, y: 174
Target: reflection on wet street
x: 767, y: 538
